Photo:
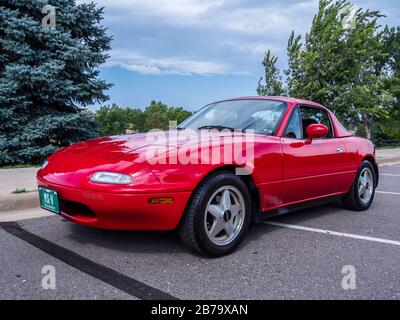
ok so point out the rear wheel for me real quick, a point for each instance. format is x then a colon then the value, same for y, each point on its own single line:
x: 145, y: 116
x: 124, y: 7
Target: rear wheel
x: 217, y: 217
x: 362, y: 191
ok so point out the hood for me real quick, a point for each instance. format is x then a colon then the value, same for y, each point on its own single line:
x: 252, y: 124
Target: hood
x: 125, y: 154
x: 131, y: 148
x: 103, y: 153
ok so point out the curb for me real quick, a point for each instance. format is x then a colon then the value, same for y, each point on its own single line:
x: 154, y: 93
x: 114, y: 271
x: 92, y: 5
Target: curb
x: 21, y: 201
x: 382, y: 162
x: 12, y: 216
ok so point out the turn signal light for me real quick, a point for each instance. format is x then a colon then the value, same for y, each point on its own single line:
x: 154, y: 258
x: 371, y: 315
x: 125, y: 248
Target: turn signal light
x: 161, y: 200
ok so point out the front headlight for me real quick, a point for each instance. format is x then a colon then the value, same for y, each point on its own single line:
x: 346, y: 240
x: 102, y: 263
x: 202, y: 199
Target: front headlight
x: 111, y: 178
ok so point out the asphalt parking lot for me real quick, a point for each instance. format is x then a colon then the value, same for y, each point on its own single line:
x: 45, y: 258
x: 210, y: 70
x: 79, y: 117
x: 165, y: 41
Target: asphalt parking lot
x: 298, y: 256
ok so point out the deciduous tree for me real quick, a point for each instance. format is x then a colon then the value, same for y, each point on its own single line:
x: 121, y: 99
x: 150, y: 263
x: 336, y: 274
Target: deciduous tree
x: 344, y: 63
x: 271, y: 83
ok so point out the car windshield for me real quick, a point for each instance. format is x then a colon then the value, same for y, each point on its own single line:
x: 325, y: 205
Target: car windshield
x: 260, y: 116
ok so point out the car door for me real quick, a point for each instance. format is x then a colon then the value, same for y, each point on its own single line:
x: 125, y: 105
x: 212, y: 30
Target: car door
x: 312, y: 169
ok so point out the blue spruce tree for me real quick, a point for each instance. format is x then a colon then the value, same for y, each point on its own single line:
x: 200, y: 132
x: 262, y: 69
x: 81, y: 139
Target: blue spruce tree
x: 48, y: 76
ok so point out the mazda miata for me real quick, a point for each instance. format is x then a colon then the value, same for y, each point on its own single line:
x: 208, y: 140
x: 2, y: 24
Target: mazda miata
x: 297, y: 155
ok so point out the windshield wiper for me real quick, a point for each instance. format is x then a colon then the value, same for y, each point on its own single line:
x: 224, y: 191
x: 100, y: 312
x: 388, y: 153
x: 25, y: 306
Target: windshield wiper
x: 218, y: 127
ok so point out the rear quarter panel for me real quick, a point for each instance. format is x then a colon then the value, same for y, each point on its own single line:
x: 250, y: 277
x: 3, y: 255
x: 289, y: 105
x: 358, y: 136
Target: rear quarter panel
x: 359, y: 149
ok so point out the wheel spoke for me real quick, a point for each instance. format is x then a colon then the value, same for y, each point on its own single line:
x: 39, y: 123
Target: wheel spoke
x: 361, y: 190
x: 363, y: 179
x: 226, y: 200
x: 229, y: 228
x: 235, y: 209
x: 216, y: 228
x: 216, y: 210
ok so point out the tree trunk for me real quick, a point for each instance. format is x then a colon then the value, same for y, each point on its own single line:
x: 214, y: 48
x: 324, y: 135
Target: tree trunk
x: 368, y: 125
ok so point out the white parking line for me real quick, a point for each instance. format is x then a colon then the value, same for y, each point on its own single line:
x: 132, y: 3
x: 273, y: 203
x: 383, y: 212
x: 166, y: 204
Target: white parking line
x: 389, y: 175
x: 332, y: 233
x: 387, y: 192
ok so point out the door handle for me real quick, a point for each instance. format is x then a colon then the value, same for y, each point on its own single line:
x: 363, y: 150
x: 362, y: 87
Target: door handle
x: 339, y: 149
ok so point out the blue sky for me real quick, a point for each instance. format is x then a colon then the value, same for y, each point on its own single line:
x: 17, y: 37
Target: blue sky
x: 191, y: 52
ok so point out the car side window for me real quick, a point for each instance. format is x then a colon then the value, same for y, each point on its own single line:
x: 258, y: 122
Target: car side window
x: 311, y: 115
x: 293, y: 130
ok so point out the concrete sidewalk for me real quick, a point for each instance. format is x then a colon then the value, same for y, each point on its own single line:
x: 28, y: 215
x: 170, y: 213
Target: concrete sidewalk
x: 388, y: 156
x: 12, y: 179
x: 25, y: 178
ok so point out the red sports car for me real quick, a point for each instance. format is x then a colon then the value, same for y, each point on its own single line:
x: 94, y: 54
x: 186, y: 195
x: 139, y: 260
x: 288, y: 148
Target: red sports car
x: 196, y: 177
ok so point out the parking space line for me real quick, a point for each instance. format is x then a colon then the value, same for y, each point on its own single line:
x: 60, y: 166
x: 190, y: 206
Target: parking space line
x: 117, y: 280
x: 332, y: 233
x: 389, y: 175
x: 387, y: 192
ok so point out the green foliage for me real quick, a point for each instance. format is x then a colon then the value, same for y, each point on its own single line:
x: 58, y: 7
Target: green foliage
x: 158, y: 116
x: 348, y: 63
x: 114, y: 120
x: 48, y: 76
x: 20, y: 190
x: 388, y: 130
x: 294, y: 72
x: 272, y: 80
x: 345, y: 66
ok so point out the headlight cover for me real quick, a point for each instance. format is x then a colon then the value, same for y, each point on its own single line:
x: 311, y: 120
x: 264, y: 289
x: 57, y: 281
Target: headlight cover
x: 111, y: 178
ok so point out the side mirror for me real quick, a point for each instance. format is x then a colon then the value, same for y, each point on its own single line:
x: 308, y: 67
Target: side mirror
x: 316, y: 131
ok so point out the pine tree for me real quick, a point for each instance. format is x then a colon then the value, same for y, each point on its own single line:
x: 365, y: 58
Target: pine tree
x: 48, y: 76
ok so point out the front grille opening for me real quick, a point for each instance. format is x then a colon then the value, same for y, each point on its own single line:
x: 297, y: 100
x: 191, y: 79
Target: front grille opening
x: 72, y: 209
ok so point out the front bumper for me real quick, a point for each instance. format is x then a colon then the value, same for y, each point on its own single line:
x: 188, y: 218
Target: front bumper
x: 119, y: 211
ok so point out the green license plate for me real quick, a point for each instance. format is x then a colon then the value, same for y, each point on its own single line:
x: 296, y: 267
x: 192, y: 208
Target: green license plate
x: 49, y: 200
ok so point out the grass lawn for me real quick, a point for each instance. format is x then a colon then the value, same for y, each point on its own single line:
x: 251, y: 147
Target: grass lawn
x: 18, y: 166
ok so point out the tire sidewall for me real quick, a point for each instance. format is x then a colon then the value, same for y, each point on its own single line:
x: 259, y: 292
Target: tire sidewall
x: 206, y: 191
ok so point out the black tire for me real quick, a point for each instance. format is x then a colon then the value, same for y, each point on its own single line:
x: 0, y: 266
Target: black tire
x: 352, y: 200
x: 192, y: 229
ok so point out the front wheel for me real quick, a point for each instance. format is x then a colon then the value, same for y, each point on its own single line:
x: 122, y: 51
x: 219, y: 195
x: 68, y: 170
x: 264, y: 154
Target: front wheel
x: 217, y: 216
x: 362, y: 192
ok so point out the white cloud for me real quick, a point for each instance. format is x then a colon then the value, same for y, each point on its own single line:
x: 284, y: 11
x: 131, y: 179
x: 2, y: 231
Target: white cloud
x: 267, y: 20
x: 252, y: 48
x: 264, y: 17
x: 165, y: 66
x: 229, y: 37
x: 166, y: 8
x: 143, y: 69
